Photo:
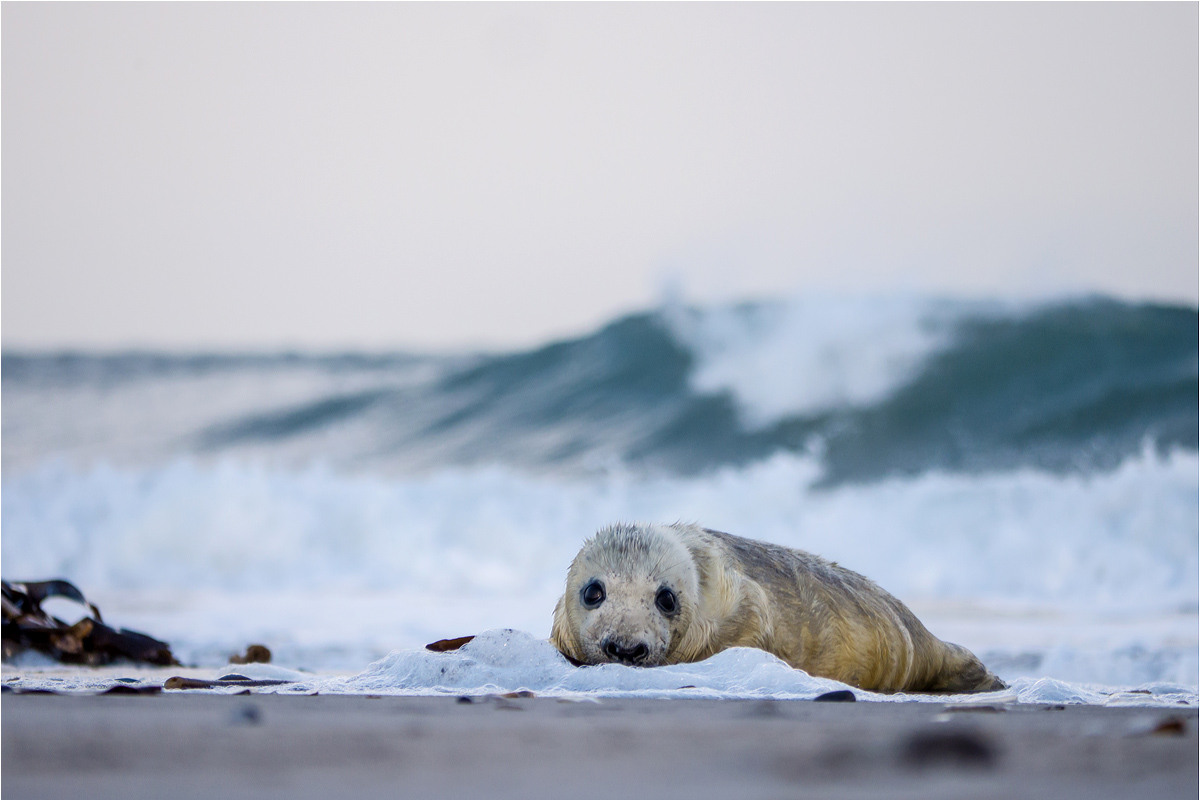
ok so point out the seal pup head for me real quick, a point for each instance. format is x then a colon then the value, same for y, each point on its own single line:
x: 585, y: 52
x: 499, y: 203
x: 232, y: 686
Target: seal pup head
x: 631, y: 594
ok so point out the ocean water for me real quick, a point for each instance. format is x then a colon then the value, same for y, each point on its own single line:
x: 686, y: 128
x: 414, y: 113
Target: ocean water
x: 1023, y: 475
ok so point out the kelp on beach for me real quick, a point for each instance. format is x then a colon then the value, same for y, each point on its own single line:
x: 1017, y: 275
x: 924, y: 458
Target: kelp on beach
x: 88, y: 641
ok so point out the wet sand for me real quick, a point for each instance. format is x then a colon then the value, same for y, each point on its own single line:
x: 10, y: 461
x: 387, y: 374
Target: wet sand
x: 179, y: 745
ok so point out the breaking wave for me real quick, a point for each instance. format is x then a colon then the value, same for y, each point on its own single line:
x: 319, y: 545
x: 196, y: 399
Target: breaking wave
x: 871, y: 387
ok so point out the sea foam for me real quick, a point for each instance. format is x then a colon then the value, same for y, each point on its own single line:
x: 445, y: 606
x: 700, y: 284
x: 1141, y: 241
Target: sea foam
x: 1095, y: 574
x: 507, y: 661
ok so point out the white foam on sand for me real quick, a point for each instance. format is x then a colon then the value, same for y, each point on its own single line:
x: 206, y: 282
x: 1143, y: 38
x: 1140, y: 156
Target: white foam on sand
x: 508, y: 661
x: 505, y: 661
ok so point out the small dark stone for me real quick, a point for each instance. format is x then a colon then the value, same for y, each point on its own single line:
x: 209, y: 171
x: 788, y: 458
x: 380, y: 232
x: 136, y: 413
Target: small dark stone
x: 125, y: 689
x: 765, y: 708
x: 1174, y: 727
x: 254, y: 653
x: 465, y: 699
x: 988, y: 708
x: 247, y: 715
x: 836, y: 696
x: 949, y: 749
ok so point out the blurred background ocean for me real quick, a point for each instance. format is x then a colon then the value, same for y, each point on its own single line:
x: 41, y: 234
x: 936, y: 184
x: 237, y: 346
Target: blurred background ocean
x: 1024, y: 475
x: 338, y: 327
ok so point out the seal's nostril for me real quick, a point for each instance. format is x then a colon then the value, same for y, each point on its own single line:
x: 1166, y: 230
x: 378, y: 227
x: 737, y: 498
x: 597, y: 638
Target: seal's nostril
x: 617, y: 652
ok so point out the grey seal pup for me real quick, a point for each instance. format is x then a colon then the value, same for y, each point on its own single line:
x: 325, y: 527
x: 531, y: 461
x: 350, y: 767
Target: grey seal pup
x: 652, y: 595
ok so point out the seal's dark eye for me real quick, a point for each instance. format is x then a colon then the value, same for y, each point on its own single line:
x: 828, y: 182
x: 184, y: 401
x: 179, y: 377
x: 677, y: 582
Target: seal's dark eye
x: 666, y: 601
x: 592, y: 595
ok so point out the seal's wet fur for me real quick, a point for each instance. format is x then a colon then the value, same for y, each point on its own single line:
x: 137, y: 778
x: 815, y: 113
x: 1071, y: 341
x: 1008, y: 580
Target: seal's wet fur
x: 811, y: 613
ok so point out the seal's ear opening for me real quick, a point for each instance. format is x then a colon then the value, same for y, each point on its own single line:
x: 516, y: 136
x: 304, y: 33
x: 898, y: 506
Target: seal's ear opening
x: 563, y: 636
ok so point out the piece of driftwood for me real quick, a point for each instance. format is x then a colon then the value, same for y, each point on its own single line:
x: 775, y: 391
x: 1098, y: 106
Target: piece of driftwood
x: 88, y: 642
x: 232, y: 680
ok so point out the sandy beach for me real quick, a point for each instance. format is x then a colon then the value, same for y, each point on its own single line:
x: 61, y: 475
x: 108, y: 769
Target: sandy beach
x: 177, y: 745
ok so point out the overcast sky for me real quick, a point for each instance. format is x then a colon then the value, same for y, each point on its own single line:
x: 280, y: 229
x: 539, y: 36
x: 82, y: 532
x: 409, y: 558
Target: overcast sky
x: 435, y: 176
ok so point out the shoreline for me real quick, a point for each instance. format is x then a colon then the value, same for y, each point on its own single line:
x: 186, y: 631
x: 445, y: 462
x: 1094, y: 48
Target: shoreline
x: 489, y: 665
x: 202, y: 745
